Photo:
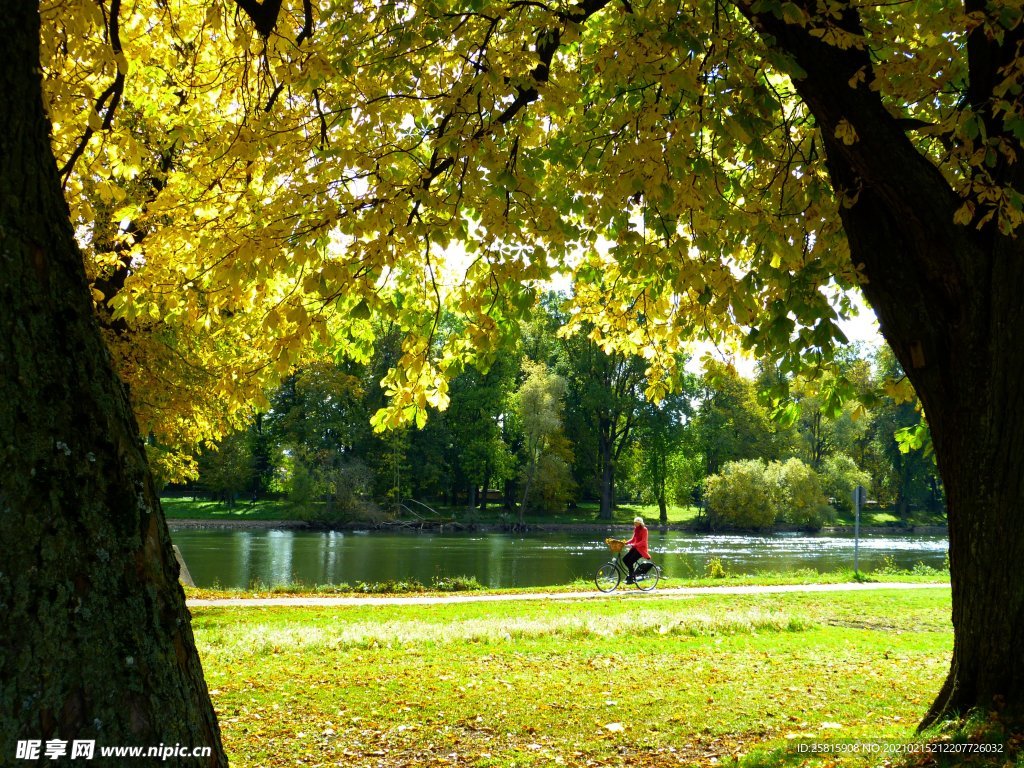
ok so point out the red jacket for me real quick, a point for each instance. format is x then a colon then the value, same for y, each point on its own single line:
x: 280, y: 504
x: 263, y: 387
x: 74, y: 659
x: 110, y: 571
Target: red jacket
x: 639, y: 541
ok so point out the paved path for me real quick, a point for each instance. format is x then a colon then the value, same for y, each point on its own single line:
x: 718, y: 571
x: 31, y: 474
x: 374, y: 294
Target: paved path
x: 327, y: 602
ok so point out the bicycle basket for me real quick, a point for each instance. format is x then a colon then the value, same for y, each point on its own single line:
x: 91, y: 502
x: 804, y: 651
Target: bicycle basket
x: 615, y: 545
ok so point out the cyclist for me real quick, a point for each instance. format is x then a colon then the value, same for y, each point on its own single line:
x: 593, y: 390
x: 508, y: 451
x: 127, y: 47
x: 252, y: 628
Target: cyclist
x: 638, y: 548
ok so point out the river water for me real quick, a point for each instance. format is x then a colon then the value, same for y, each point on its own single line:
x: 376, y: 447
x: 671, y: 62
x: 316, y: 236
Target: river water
x: 240, y: 558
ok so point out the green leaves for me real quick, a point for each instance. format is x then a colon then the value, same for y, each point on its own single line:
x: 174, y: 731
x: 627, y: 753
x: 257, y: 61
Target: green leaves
x: 915, y: 438
x: 404, y: 164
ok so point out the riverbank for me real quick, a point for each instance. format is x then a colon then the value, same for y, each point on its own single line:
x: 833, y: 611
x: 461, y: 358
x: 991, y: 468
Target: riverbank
x: 436, y: 526
x: 189, y: 513
x: 727, y: 679
x: 456, y: 527
x: 239, y: 524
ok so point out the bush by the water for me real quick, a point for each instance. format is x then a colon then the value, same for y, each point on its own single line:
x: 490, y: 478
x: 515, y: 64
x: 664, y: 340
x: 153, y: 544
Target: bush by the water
x: 437, y: 584
x: 741, y: 496
x: 332, y: 492
x: 755, y: 494
x: 801, y: 499
x: 714, y: 569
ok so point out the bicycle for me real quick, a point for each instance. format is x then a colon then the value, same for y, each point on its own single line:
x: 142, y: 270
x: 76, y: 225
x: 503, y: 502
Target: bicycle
x: 612, y: 573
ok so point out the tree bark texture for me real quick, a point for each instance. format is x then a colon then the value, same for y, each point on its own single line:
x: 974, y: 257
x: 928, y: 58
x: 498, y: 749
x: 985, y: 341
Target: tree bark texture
x: 950, y: 302
x: 95, y: 639
x: 607, y: 469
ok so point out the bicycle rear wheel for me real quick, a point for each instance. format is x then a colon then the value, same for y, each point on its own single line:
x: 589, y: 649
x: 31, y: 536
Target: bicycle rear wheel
x: 607, y: 578
x: 649, y: 580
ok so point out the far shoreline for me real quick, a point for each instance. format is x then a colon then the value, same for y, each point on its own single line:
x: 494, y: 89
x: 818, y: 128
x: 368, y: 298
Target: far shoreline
x: 597, y: 527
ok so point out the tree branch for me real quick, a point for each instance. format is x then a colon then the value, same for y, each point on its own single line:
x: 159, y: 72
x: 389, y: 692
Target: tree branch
x: 307, y: 26
x: 548, y: 42
x: 922, y: 268
x: 113, y: 92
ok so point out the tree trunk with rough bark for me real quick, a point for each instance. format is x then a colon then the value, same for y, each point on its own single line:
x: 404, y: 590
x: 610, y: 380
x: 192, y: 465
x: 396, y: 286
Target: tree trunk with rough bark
x: 607, y: 468
x: 95, y: 641
x: 950, y: 302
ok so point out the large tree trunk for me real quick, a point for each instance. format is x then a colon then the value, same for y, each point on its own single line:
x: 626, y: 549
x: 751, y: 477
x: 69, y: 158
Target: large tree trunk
x: 950, y: 302
x: 95, y: 641
x: 486, y: 486
x: 981, y: 455
x: 966, y: 361
x: 607, y: 470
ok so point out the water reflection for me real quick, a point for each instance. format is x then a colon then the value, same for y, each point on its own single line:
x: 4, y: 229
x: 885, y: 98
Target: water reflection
x: 240, y: 558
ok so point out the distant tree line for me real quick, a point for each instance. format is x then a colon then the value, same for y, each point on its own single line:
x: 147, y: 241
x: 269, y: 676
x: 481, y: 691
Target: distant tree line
x: 556, y: 422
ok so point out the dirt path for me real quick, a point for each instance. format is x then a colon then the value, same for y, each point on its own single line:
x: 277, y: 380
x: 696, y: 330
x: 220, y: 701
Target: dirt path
x: 326, y: 602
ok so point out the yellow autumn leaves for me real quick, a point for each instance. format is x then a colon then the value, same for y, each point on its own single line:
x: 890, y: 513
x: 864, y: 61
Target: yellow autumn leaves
x: 275, y: 197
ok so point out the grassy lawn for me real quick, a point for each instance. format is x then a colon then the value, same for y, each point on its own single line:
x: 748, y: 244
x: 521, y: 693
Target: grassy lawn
x: 884, y: 518
x: 623, y: 514
x: 650, y: 513
x: 920, y: 575
x: 584, y: 514
x: 654, y: 682
x: 199, y: 509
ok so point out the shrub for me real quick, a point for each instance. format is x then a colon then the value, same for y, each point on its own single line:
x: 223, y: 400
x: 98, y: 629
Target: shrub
x: 803, y: 502
x: 333, y: 493
x: 752, y: 494
x: 455, y: 584
x: 839, y: 476
x: 741, y: 496
x: 888, y: 566
x: 715, y: 569
x: 389, y: 587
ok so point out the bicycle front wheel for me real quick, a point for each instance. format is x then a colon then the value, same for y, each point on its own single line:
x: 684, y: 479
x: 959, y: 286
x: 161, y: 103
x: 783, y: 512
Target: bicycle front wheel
x: 649, y: 580
x: 607, y: 578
